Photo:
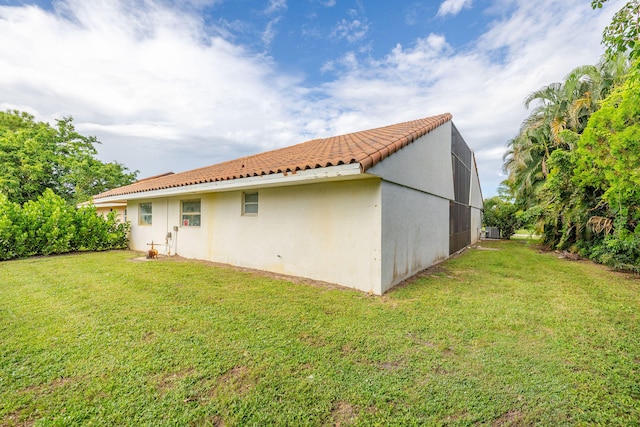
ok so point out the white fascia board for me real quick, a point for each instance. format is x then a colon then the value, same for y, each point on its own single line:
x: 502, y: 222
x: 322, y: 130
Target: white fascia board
x: 331, y: 173
x: 102, y: 205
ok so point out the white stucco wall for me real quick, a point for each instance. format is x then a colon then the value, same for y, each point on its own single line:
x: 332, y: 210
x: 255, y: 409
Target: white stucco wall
x: 187, y: 241
x: 143, y: 234
x: 190, y: 241
x: 424, y: 165
x: 475, y: 198
x: 328, y: 232
x: 324, y: 231
x: 476, y: 224
x: 417, y: 187
x: 415, y: 232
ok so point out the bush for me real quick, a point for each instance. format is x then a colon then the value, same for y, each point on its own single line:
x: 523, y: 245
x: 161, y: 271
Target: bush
x: 12, y: 235
x: 620, y: 250
x: 49, y: 225
x: 502, y: 214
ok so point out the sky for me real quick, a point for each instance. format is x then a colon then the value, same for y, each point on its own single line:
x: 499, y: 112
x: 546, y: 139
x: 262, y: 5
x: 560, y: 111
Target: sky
x: 174, y: 85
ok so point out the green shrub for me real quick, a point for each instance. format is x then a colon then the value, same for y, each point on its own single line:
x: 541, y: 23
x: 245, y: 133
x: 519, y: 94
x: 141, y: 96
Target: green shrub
x: 49, y: 225
x: 502, y: 214
x: 92, y: 230
x: 620, y: 250
x: 118, y: 232
x: 12, y: 236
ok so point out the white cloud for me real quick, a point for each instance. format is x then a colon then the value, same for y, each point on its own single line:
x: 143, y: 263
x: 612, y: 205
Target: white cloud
x: 353, y: 30
x: 163, y: 93
x: 275, y: 6
x: 270, y: 32
x: 151, y: 76
x: 453, y: 7
x: 484, y: 86
x: 328, y: 66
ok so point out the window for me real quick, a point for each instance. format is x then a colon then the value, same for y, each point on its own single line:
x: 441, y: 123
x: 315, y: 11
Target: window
x: 250, y: 204
x: 144, y: 214
x: 191, y: 213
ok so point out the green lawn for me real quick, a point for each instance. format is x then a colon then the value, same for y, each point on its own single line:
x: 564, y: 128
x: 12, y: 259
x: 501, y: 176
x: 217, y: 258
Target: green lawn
x: 499, y: 337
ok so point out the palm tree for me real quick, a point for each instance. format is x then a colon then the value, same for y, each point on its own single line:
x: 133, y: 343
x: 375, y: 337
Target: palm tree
x: 525, y: 163
x: 556, y: 109
x: 559, y: 106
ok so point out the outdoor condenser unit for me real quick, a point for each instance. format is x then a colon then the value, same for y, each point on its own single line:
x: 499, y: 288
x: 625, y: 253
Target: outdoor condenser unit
x: 492, y: 233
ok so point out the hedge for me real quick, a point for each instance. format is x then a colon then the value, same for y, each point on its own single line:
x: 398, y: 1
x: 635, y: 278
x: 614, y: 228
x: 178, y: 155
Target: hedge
x: 49, y: 225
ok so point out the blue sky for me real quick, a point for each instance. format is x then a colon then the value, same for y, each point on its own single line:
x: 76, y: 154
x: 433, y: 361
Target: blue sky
x: 175, y: 85
x: 308, y: 36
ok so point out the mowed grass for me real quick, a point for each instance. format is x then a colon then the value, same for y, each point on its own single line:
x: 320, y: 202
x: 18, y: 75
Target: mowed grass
x: 509, y: 336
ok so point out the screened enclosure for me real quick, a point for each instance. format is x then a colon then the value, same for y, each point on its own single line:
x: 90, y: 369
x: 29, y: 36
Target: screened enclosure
x: 460, y: 209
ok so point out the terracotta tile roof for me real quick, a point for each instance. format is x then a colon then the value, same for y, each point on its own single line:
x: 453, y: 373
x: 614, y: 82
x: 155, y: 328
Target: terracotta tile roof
x: 149, y: 178
x: 367, y: 148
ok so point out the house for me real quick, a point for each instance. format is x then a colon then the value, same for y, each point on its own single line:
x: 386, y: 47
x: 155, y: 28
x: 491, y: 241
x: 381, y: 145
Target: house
x: 364, y: 210
x: 104, y: 208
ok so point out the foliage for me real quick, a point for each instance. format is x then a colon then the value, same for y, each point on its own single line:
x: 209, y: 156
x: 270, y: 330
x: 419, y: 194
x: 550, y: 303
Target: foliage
x: 35, y: 156
x: 609, y: 149
x: 623, y: 33
x: 502, y: 214
x: 96, y: 339
x: 574, y: 167
x: 12, y: 234
x: 558, y: 107
x: 564, y: 208
x: 49, y: 225
x: 608, y: 164
x: 95, y: 232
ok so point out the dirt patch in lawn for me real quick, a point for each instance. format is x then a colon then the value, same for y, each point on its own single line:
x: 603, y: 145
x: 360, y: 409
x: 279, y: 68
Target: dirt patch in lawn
x: 237, y: 380
x: 343, y: 414
x: 217, y: 421
x: 391, y: 366
x: 511, y: 418
x: 49, y: 387
x: 169, y: 381
x: 14, y: 420
x: 312, y: 339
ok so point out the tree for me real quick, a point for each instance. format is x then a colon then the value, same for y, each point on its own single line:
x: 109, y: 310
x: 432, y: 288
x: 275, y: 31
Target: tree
x: 574, y: 167
x: 501, y: 213
x: 557, y: 107
x: 35, y: 156
x: 564, y: 207
x: 608, y: 163
x: 623, y: 34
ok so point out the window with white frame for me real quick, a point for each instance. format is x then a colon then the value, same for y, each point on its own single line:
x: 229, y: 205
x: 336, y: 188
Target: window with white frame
x: 250, y: 203
x: 191, y: 213
x: 145, y: 215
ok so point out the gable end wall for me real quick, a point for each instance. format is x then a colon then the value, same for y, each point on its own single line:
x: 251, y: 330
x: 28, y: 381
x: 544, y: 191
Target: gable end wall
x: 416, y: 189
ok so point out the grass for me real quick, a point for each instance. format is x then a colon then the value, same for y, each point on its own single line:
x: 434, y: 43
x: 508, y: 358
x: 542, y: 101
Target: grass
x: 508, y: 336
x: 524, y: 234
